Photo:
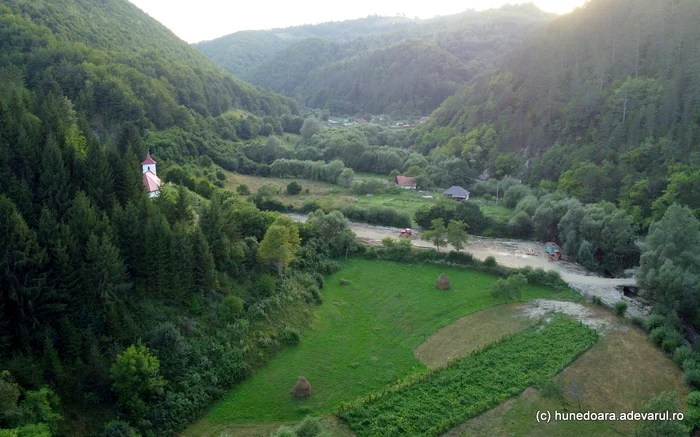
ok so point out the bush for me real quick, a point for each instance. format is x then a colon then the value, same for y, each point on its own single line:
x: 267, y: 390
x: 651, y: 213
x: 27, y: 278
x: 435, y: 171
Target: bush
x: 510, y: 288
x: 118, y: 428
x: 267, y: 285
x: 231, y: 307
x: 668, y: 338
x: 691, y: 378
x: 682, y: 354
x: 243, y: 190
x: 490, y: 262
x: 672, y: 342
x: 269, y: 189
x: 692, y: 409
x: 654, y: 321
x: 293, y: 188
x: 597, y: 300
x: 620, y: 308
x: 310, y: 206
x: 289, y: 336
x: 521, y: 226
x: 220, y: 175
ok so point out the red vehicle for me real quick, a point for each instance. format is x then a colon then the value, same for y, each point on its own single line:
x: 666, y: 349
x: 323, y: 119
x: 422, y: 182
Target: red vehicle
x: 406, y: 233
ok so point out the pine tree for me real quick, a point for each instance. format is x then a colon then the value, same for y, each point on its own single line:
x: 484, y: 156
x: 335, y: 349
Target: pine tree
x: 159, y: 257
x: 21, y: 272
x: 99, y: 180
x: 105, y: 274
x: 204, y: 273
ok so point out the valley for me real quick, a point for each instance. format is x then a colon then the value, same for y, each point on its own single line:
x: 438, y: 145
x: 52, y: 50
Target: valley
x: 379, y: 226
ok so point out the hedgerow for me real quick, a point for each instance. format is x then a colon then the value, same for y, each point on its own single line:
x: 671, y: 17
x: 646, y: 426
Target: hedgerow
x: 433, y: 403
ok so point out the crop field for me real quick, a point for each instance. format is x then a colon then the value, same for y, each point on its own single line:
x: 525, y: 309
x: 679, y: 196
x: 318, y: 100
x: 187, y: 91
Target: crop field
x: 438, y: 401
x: 361, y: 339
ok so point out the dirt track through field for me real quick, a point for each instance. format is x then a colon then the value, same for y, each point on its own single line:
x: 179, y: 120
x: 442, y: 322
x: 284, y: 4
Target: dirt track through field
x: 515, y: 254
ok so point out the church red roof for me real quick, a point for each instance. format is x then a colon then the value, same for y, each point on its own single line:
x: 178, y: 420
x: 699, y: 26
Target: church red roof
x: 151, y: 181
x: 148, y: 160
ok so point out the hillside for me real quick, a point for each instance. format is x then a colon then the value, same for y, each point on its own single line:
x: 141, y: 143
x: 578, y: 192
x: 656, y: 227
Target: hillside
x: 239, y: 52
x: 409, y: 71
x: 132, y: 60
x: 606, y: 99
x: 121, y: 311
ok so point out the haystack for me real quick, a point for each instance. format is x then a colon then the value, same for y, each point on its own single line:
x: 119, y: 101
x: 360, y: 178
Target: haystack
x: 443, y: 283
x: 302, y: 389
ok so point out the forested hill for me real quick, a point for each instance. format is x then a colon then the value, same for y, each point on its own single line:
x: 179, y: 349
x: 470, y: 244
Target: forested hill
x: 241, y: 51
x: 409, y: 71
x: 120, y: 312
x: 127, y: 58
x: 607, y: 99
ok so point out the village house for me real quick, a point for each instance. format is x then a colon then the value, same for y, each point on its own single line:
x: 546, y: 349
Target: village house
x: 457, y: 193
x: 150, y: 180
x: 406, y: 182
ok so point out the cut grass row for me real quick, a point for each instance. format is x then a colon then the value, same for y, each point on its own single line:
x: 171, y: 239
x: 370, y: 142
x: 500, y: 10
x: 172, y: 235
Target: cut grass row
x: 360, y: 339
x: 436, y: 402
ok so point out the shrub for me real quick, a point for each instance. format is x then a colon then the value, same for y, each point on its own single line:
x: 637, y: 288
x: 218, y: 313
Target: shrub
x: 267, y: 285
x: 118, y: 428
x: 310, y: 206
x: 231, y: 307
x: 220, y: 175
x: 654, y: 321
x: 620, y: 308
x: 243, y: 190
x: 668, y: 338
x: 490, y: 262
x: 510, y: 288
x: 672, y: 342
x: 692, y: 409
x: 597, y: 300
x: 293, y: 188
x: 269, y: 189
x: 691, y: 377
x: 289, y: 336
x: 682, y: 354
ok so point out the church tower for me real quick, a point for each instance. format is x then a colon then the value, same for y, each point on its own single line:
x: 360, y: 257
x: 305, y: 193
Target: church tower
x: 149, y: 164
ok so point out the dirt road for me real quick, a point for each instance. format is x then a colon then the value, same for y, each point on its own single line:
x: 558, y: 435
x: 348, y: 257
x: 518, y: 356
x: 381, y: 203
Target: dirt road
x: 516, y: 254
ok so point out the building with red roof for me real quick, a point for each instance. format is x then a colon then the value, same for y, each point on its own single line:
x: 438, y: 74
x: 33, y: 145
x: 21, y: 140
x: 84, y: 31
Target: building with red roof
x: 406, y: 182
x: 150, y: 180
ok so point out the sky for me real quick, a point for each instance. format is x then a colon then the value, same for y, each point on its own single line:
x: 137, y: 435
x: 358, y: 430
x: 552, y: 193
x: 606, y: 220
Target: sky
x: 200, y: 20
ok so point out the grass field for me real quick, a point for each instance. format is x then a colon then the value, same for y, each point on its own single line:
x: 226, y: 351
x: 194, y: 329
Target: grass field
x: 409, y: 201
x: 472, y: 385
x: 361, y: 339
x: 472, y: 332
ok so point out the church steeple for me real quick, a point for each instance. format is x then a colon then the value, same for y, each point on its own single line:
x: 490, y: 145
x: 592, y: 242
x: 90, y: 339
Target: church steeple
x: 149, y: 164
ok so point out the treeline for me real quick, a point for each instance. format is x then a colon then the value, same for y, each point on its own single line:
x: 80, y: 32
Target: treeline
x: 409, y: 71
x: 605, y: 99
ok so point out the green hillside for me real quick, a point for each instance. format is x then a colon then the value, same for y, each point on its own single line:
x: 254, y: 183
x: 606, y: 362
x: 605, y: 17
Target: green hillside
x: 607, y: 100
x: 118, y: 312
x: 241, y: 51
x: 409, y: 71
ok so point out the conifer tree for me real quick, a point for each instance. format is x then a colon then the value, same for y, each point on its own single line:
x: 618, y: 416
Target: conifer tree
x: 99, y: 180
x: 54, y: 189
x: 204, y: 273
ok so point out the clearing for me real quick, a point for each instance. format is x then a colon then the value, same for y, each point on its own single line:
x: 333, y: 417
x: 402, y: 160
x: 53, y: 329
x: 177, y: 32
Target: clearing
x: 514, y: 253
x: 359, y: 340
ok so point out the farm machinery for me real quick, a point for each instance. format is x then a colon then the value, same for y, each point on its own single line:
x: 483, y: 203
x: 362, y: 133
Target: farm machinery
x: 553, y: 251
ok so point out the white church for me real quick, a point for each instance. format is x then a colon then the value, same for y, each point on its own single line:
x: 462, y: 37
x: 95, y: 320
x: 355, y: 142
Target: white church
x: 150, y: 180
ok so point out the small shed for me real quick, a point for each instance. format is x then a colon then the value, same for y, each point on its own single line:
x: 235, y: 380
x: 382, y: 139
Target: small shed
x: 458, y: 193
